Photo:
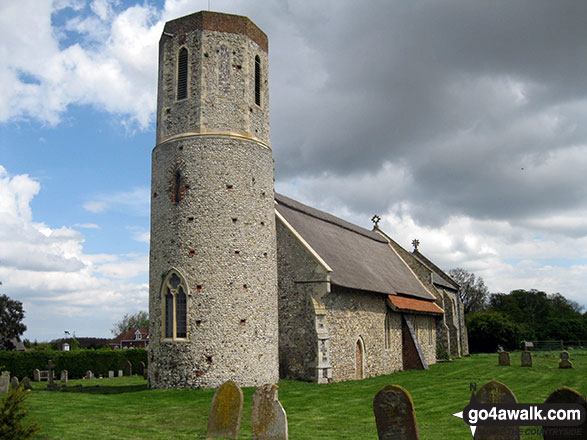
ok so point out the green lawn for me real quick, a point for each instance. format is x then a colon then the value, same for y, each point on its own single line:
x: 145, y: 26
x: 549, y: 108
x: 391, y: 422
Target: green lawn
x: 123, y: 408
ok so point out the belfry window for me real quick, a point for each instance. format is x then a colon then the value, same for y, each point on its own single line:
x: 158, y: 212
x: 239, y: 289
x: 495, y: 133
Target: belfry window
x: 174, y: 306
x: 258, y: 80
x: 182, y: 74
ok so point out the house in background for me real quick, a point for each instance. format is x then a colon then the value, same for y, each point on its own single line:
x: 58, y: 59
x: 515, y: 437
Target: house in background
x: 131, y: 339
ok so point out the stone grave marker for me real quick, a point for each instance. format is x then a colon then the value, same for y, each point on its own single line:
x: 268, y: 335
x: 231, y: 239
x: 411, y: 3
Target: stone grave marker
x: 110, y: 374
x: 4, y: 382
x: 64, y: 376
x: 142, y: 368
x: 565, y: 362
x: 226, y: 411
x: 89, y: 374
x: 526, y: 359
x: 565, y: 395
x: 128, y: 369
x: 52, y: 386
x: 496, y: 392
x: 120, y: 374
x: 36, y: 375
x: 14, y: 382
x: 394, y: 414
x: 26, y: 383
x: 269, y: 418
x: 504, y: 358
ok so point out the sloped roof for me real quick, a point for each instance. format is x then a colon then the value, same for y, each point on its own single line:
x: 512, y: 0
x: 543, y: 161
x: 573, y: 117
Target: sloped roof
x: 439, y: 277
x: 130, y: 335
x: 359, y: 258
x: 403, y: 303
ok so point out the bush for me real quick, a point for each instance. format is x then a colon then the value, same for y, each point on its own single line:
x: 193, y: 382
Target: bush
x: 22, y: 363
x: 12, y: 415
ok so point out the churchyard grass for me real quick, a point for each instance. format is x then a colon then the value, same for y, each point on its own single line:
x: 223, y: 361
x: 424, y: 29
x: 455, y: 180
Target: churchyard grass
x: 123, y: 408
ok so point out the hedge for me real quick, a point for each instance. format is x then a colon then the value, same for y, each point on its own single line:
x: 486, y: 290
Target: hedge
x: 77, y: 362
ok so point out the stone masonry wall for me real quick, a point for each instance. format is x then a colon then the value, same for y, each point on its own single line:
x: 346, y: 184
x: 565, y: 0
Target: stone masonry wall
x: 425, y: 328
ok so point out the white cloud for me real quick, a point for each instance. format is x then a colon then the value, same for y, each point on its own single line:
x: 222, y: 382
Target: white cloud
x: 136, y: 201
x: 49, y: 271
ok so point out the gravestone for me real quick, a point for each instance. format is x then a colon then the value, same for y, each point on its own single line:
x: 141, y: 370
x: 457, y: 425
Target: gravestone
x: 269, y: 418
x: 4, y: 382
x: 226, y: 411
x: 565, y: 362
x: 566, y: 395
x: 110, y: 374
x: 526, y: 359
x: 52, y: 386
x: 26, y: 383
x: 120, y: 373
x: 496, y: 392
x: 36, y: 375
x: 145, y: 374
x: 128, y: 369
x: 504, y: 358
x: 394, y: 414
x: 64, y: 376
x: 89, y: 374
x: 14, y: 382
x: 142, y: 368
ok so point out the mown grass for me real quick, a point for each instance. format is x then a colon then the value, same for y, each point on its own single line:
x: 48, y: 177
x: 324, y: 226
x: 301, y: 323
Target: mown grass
x: 123, y: 408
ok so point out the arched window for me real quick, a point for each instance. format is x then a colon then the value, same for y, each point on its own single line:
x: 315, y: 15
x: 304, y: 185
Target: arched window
x: 388, y: 330
x: 174, y: 306
x: 182, y: 74
x: 258, y: 80
x: 359, y: 359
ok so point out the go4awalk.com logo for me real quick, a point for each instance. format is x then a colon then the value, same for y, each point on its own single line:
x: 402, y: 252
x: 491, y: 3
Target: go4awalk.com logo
x: 568, y: 418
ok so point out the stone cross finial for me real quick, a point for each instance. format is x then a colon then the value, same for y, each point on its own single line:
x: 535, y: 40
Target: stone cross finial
x: 415, y: 243
x: 376, y: 219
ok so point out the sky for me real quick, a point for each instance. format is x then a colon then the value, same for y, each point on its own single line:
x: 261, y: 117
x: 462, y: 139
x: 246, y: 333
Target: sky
x: 460, y: 123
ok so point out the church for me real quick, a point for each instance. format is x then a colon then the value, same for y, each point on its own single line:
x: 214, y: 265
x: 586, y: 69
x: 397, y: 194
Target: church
x: 252, y: 286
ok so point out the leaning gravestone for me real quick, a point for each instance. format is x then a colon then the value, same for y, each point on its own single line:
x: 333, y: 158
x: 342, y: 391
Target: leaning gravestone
x: 496, y: 392
x: 4, y: 382
x: 110, y: 374
x: 128, y: 369
x: 504, y: 358
x: 565, y: 362
x: 226, y: 411
x: 526, y: 359
x: 394, y: 414
x: 269, y: 418
x: 26, y: 383
x: 566, y: 395
x: 64, y: 376
x: 14, y: 382
x: 36, y: 375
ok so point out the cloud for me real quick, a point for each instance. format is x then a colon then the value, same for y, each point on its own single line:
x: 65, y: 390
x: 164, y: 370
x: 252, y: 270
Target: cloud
x: 49, y: 271
x: 136, y: 202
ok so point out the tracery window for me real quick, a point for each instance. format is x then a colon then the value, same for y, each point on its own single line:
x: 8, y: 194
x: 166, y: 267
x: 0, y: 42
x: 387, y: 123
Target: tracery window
x: 174, y: 306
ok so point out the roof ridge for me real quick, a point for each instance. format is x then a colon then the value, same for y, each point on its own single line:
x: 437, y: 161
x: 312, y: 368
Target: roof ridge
x: 329, y: 218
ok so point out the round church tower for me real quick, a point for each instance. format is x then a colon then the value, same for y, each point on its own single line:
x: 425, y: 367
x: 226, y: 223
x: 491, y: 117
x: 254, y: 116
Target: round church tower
x: 213, y: 274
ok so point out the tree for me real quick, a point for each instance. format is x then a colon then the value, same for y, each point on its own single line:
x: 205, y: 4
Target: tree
x: 131, y: 321
x: 13, y: 417
x: 473, y: 292
x: 11, y: 326
x: 487, y: 330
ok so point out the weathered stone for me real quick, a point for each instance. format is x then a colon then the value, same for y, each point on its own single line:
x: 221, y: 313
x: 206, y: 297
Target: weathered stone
x: 51, y: 386
x: 36, y: 375
x: 496, y: 392
x: 26, y: 383
x: 566, y: 395
x: 4, y: 382
x: 128, y: 368
x: 565, y: 362
x: 394, y: 414
x: 120, y: 373
x: 269, y: 418
x: 89, y: 374
x: 64, y: 376
x: 526, y: 359
x: 110, y: 374
x: 14, y: 382
x: 504, y: 358
x: 226, y: 411
x: 142, y: 368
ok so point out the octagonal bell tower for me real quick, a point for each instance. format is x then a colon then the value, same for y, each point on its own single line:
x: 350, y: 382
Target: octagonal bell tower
x: 213, y: 273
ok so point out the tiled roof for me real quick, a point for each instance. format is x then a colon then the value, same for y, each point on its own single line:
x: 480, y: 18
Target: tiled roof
x: 405, y: 304
x: 130, y: 335
x: 359, y: 258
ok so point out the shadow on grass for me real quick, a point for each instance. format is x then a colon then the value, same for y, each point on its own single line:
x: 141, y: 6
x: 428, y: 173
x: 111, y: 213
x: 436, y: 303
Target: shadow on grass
x: 99, y: 389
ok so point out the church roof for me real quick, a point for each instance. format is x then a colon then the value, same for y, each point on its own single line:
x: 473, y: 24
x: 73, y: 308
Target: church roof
x: 359, y: 258
x: 439, y: 277
x: 403, y: 303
